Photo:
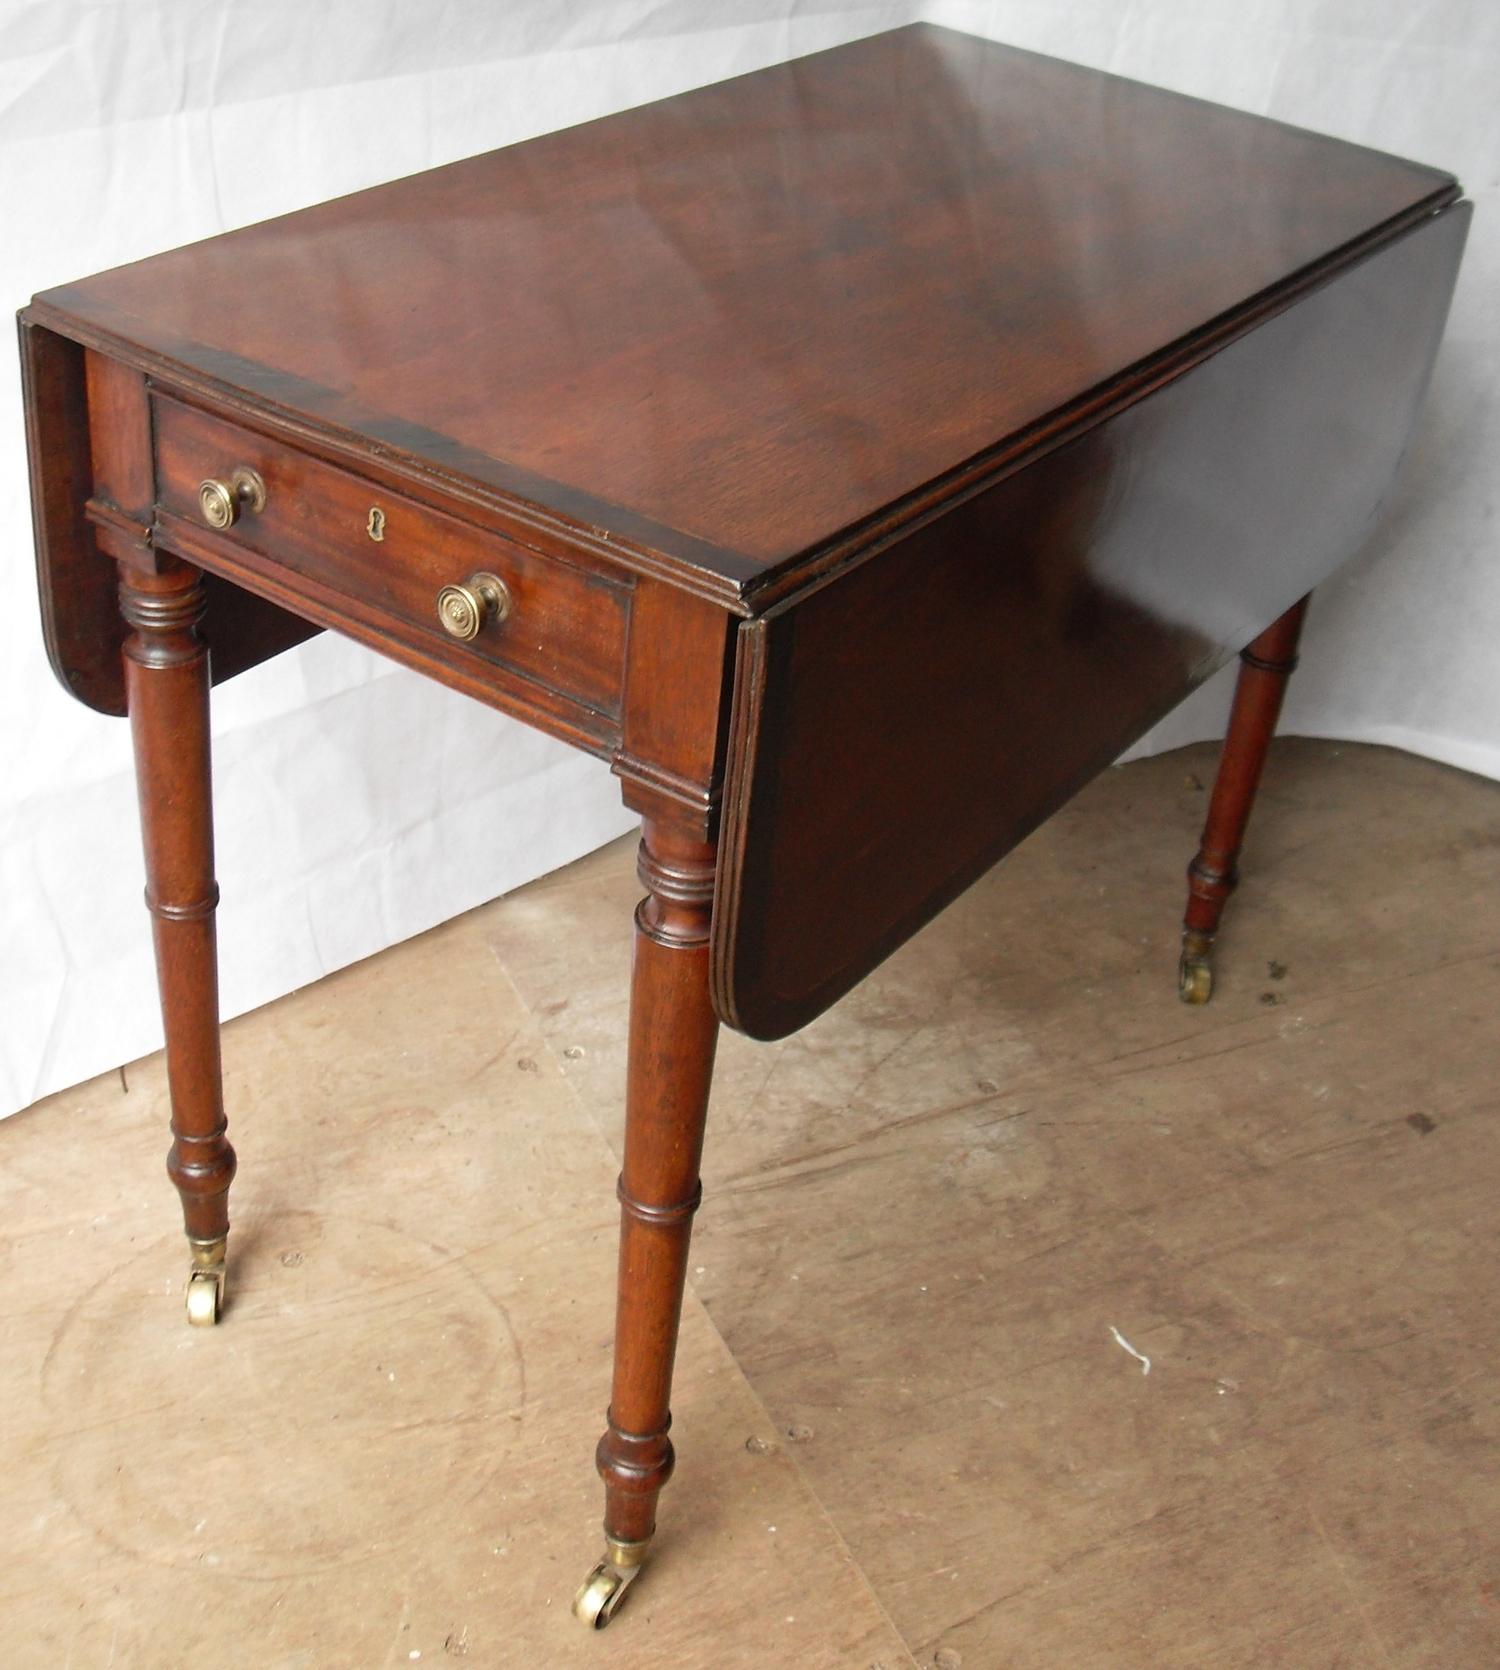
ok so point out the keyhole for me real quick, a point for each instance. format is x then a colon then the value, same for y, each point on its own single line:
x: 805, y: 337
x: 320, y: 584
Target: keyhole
x: 375, y: 527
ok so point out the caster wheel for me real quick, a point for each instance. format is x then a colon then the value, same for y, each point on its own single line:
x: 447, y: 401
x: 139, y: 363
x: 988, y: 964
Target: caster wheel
x: 1195, y: 980
x: 204, y: 1292
x: 205, y: 1285
x: 603, y: 1590
x: 604, y: 1587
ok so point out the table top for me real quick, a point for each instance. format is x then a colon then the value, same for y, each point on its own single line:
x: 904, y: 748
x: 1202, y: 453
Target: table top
x: 742, y: 324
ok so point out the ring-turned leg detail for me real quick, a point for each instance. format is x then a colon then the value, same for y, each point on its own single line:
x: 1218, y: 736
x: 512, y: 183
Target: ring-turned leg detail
x: 1265, y: 667
x: 166, y: 683
x: 673, y: 1034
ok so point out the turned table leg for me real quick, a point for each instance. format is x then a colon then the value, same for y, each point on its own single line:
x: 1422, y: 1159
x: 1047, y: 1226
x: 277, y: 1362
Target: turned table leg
x: 673, y: 1032
x: 1265, y: 667
x: 166, y: 682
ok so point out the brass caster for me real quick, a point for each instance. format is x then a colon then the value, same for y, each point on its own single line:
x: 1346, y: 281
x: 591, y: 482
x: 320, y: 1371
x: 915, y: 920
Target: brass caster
x: 1195, y: 980
x: 604, y: 1588
x: 205, y: 1283
x: 1195, y: 975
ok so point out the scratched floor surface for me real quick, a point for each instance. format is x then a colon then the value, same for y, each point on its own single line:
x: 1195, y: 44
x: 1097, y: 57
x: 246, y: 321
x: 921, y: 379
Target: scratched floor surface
x: 381, y: 1457
x: 945, y: 1232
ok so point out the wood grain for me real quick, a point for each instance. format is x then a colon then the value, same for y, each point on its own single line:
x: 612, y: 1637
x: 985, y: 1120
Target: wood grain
x: 166, y: 681
x: 1266, y: 665
x: 899, y: 729
x: 733, y: 325
x: 1000, y: 399
x: 673, y: 1035
x: 81, y: 622
x: 567, y: 629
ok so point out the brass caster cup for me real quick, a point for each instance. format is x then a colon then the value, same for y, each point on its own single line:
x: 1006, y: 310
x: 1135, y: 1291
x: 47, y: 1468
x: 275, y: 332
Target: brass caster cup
x: 1195, y: 974
x: 604, y: 1588
x: 205, y: 1283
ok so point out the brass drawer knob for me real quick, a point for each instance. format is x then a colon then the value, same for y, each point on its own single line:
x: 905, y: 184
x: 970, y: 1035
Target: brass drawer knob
x: 222, y: 501
x: 464, y: 609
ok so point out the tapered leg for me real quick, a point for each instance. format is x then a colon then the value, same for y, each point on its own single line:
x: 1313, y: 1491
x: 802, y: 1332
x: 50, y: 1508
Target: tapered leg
x: 673, y: 1032
x: 1265, y: 668
x: 166, y: 682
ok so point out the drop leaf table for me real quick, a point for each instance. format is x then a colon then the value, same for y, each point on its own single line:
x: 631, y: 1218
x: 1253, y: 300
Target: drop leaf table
x: 858, y: 455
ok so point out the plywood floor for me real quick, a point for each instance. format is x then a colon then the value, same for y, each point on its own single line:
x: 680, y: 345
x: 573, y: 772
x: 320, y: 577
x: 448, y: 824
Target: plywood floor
x: 941, y: 1230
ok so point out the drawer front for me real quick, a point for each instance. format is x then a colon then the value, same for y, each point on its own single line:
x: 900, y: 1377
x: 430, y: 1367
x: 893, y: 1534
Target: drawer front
x: 566, y: 628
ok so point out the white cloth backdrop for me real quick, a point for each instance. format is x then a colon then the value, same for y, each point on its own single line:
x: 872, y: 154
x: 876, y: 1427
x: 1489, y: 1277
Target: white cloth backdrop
x: 358, y: 804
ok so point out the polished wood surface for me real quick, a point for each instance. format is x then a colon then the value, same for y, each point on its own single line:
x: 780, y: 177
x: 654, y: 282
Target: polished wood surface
x: 872, y: 446
x: 673, y: 1033
x: 736, y: 324
x: 565, y: 634
x: 81, y: 622
x: 905, y: 725
x: 1266, y: 664
x: 166, y: 674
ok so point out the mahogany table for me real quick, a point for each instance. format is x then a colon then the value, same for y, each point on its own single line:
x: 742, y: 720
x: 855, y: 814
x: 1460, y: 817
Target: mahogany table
x: 858, y: 455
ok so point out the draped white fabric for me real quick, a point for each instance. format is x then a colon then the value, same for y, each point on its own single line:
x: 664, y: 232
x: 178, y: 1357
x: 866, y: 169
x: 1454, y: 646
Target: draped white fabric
x: 357, y: 804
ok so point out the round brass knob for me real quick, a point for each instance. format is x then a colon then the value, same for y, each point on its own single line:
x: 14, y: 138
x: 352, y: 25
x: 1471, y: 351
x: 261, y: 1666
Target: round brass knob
x: 222, y: 501
x: 464, y: 609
